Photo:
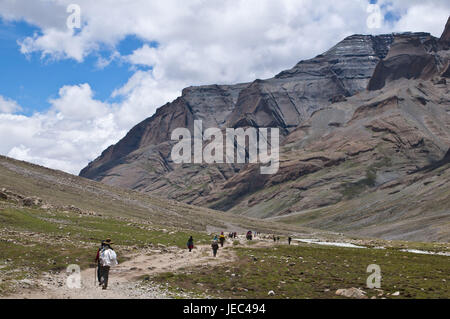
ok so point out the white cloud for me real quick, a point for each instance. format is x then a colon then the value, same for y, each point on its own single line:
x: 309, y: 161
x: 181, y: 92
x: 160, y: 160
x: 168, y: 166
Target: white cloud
x: 199, y: 42
x: 77, y: 103
x: 426, y: 18
x: 67, y: 136
x: 142, y: 94
x: 8, y: 105
x: 77, y: 127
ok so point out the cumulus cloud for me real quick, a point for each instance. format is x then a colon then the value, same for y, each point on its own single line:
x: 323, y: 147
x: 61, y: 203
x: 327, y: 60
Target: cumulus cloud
x: 8, y: 105
x: 424, y: 17
x: 77, y: 127
x: 67, y: 136
x: 198, y: 42
x: 77, y: 103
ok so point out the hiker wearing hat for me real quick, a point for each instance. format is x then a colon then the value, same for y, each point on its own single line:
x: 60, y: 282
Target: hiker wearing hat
x: 108, y: 258
x: 97, y: 260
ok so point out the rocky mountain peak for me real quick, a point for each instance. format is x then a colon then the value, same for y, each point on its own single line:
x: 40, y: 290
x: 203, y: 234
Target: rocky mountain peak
x: 411, y: 56
x: 445, y: 37
x: 338, y: 139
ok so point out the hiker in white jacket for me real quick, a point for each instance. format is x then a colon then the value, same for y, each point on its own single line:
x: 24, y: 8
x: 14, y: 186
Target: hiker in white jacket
x: 108, y: 259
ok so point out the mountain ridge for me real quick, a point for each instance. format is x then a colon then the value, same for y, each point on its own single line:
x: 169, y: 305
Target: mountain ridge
x: 358, y: 114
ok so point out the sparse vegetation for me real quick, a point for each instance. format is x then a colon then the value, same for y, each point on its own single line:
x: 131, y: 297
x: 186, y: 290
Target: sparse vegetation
x: 33, y: 241
x: 351, y: 190
x: 317, y: 272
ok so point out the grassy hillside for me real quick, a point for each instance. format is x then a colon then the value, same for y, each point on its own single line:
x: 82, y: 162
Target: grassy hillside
x: 62, y: 190
x: 390, y: 212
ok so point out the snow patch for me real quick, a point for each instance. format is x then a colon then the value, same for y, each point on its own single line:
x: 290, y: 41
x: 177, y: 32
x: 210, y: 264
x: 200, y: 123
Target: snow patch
x: 326, y: 243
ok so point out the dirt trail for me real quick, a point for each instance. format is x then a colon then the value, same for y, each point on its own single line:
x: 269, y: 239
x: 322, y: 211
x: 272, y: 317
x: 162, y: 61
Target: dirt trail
x: 125, y: 280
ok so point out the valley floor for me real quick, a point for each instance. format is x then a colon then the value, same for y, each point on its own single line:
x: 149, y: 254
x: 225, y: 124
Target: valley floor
x: 126, y: 279
x: 256, y: 269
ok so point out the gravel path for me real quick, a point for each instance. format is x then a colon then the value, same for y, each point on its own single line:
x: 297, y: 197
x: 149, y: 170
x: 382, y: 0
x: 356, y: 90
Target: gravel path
x: 125, y: 280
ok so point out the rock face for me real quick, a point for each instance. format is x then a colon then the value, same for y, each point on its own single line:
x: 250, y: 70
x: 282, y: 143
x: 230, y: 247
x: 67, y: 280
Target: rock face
x: 444, y: 41
x: 293, y: 95
x: 284, y: 101
x: 408, y: 58
x: 350, y: 157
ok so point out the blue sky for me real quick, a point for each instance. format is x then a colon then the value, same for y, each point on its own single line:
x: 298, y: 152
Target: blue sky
x: 61, y: 105
x: 32, y: 81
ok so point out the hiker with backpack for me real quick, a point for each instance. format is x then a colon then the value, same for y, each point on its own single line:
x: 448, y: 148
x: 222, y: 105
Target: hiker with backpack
x: 215, y: 247
x: 190, y: 244
x: 222, y: 239
x: 108, y: 259
x: 97, y: 260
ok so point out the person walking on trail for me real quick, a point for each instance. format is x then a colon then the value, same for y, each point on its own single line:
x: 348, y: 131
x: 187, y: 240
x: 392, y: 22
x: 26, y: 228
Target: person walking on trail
x: 97, y: 260
x: 190, y: 244
x: 289, y: 240
x: 108, y: 259
x: 215, y: 247
x: 222, y: 239
x: 274, y: 238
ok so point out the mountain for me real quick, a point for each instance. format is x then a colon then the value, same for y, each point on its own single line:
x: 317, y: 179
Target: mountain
x: 365, y: 134
x: 141, y: 160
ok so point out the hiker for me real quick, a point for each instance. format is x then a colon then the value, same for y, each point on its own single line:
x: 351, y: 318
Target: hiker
x: 108, y: 258
x: 222, y: 239
x: 190, y: 244
x: 274, y: 239
x: 215, y: 247
x: 278, y: 238
x: 289, y: 240
x: 97, y: 260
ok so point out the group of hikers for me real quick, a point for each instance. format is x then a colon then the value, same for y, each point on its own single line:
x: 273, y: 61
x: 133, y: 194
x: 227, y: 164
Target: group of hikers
x: 221, y: 240
x: 106, y: 256
x: 215, y: 243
